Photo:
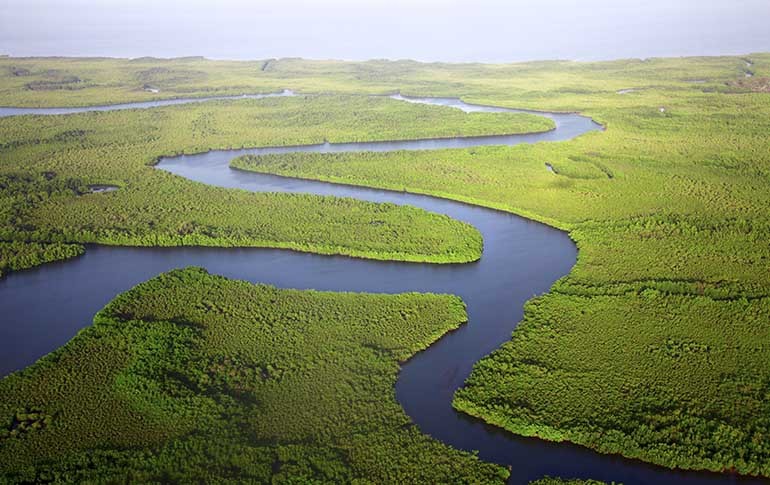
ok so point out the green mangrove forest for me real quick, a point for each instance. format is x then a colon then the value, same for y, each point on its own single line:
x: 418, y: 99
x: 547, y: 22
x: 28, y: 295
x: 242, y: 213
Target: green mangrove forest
x: 223, y: 381
x: 49, y: 161
x: 654, y: 347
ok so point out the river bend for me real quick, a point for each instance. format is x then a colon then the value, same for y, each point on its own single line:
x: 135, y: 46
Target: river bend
x: 45, y: 306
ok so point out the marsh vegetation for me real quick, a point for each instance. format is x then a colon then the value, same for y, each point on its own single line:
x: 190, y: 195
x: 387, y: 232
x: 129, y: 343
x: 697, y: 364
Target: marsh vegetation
x: 51, y: 162
x: 654, y: 347
x: 205, y: 378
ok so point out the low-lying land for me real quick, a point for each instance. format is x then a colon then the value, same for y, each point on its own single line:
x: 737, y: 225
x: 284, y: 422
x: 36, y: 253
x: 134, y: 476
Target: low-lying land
x: 655, y: 346
x: 89, y: 81
x: 192, y: 377
x: 21, y: 255
x: 562, y: 481
x: 678, y: 379
x: 49, y: 162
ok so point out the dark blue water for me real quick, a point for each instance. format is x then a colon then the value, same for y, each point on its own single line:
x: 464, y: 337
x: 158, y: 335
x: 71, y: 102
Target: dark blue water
x: 44, y: 307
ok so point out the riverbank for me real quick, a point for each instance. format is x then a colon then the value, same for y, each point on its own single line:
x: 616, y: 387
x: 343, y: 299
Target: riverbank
x: 668, y: 211
x: 653, y: 205
x: 194, y: 387
x: 52, y: 161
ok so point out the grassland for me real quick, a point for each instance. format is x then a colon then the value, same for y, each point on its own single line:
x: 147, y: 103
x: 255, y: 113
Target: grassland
x: 655, y: 346
x: 246, y: 383
x: 48, y: 163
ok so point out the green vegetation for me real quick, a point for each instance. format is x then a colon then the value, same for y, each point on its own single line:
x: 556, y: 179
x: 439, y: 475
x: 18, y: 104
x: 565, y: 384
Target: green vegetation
x: 325, y: 225
x: 533, y: 84
x: 561, y: 481
x: 48, y: 163
x: 655, y: 346
x: 246, y: 383
x: 14, y: 195
x: 674, y: 379
x: 19, y: 255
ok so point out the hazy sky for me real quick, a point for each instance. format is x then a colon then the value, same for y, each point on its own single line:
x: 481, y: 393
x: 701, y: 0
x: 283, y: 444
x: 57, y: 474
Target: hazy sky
x: 482, y: 30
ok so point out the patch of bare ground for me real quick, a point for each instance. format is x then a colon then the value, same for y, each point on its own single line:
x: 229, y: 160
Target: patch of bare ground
x: 752, y: 84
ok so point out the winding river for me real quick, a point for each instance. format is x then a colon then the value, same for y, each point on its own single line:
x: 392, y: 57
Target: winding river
x: 11, y: 111
x: 44, y: 307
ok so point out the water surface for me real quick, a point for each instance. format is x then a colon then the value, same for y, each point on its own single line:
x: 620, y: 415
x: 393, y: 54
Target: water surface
x: 11, y: 111
x: 44, y: 307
